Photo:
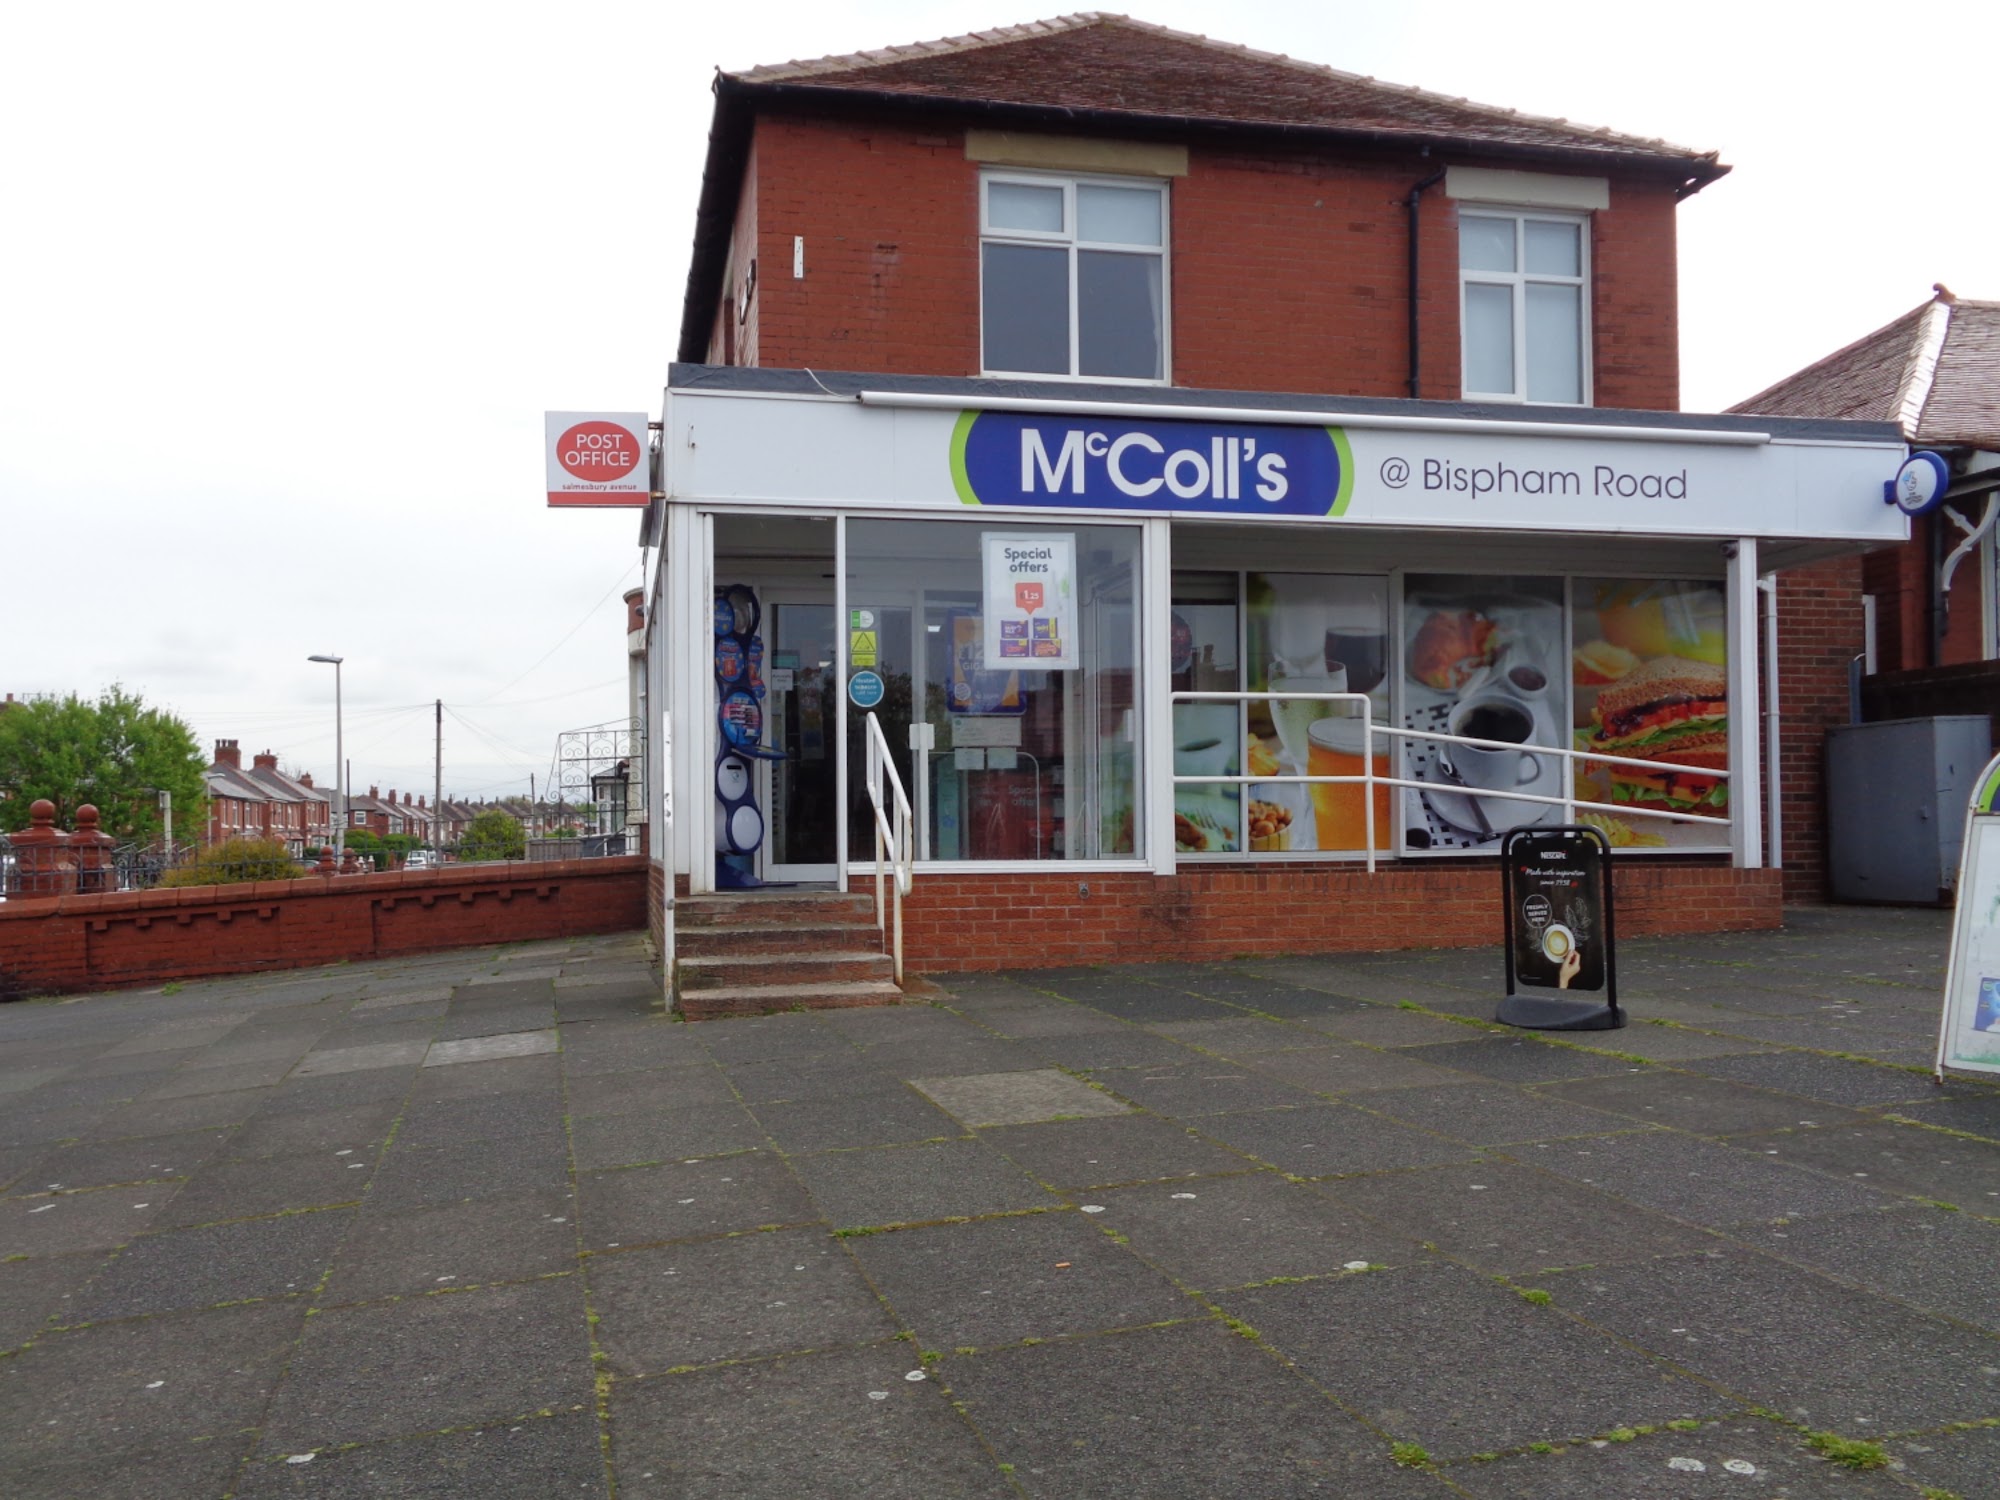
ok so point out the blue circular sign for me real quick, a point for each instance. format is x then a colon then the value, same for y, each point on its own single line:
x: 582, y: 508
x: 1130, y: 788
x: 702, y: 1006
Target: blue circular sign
x: 865, y: 689
x: 1920, y: 484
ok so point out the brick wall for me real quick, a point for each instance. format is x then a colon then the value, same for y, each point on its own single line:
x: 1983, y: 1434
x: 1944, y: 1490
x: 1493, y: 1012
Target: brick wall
x: 79, y: 943
x: 1819, y: 634
x: 1288, y: 266
x: 1029, y: 921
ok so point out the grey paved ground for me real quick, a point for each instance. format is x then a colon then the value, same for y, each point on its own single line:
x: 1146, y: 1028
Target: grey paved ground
x: 482, y: 1225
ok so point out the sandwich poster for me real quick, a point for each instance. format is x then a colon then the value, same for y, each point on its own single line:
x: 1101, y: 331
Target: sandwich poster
x: 1970, y: 1035
x: 1648, y: 682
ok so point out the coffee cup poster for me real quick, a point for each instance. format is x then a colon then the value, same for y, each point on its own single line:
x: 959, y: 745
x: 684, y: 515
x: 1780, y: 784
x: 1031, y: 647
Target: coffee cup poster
x: 1482, y: 660
x: 1647, y: 668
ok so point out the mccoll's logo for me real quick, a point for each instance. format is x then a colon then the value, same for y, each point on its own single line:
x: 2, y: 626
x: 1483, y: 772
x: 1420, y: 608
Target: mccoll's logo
x: 1013, y: 458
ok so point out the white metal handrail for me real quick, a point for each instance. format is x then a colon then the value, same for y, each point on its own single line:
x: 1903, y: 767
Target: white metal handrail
x: 895, y: 834
x: 663, y: 848
x: 1368, y: 780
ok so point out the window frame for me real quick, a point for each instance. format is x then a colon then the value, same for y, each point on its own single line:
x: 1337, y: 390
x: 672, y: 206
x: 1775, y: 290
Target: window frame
x: 1518, y: 281
x: 1070, y: 240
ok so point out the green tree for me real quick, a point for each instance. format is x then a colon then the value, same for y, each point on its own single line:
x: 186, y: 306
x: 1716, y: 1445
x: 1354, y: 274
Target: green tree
x: 493, y: 835
x: 114, y: 752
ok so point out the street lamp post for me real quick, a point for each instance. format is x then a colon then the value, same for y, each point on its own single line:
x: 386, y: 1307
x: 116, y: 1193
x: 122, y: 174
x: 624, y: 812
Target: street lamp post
x: 339, y: 764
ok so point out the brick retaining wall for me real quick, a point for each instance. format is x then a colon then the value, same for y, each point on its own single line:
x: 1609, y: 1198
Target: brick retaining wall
x: 93, y: 942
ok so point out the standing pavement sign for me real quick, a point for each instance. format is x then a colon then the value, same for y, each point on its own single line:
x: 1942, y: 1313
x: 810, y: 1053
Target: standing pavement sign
x: 1555, y: 886
x: 1969, y: 1032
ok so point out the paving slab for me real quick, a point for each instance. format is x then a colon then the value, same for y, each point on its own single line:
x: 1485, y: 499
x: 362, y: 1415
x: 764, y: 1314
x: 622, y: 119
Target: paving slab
x: 286, y: 1256
x: 1974, y: 1113
x: 1442, y: 1387
x: 1702, y: 1182
x: 38, y: 1291
x: 357, y: 1059
x: 917, y: 1184
x: 1175, y: 1413
x: 1797, y: 1343
x: 1234, y: 1231
x: 1149, y: 1005
x: 1702, y: 1106
x: 1488, y: 1114
x: 762, y: 1038
x: 1933, y: 1260
x: 1020, y: 1098
x: 1960, y: 1463
x: 451, y: 1174
x: 845, y: 1422
x: 490, y: 1047
x: 280, y: 1130
x: 62, y: 1223
x: 1670, y: 1044
x: 1068, y: 1154
x: 934, y: 1057
x: 689, y: 1200
x: 1106, y: 1051
x: 1832, y: 1080
x: 1895, y: 1158
x: 250, y: 1186
x: 530, y: 1459
x: 1243, y: 1037
x: 425, y: 1363
x: 819, y: 1075
x: 527, y: 1117
x: 1512, y: 1221
x: 663, y: 1135
x: 998, y: 1281
x: 881, y: 1117
x: 1513, y: 1059
x: 618, y: 1046
x: 506, y: 1237
x: 481, y: 1023
x: 1043, y: 1017
x: 690, y: 1085
x: 88, y: 1164
x: 116, y: 1409
x: 1388, y: 1026
x: 1341, y: 1069
x: 1208, y: 1086
x: 742, y: 1297
x: 1327, y: 1140
x: 1717, y: 1458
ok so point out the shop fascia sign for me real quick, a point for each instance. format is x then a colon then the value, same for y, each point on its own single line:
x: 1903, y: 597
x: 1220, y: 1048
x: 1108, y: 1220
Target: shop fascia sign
x: 597, y: 458
x: 1267, y: 471
x: 1440, y: 473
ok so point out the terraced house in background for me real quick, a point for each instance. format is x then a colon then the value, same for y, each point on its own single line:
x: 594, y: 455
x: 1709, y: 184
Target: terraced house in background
x: 1131, y: 427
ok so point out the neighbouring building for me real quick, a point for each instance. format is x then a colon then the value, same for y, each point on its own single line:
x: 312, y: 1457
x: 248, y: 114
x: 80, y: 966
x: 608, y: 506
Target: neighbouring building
x: 1118, y: 429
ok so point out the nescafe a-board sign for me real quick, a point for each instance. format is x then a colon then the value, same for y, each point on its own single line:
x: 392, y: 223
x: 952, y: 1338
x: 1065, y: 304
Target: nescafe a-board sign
x: 1555, y: 888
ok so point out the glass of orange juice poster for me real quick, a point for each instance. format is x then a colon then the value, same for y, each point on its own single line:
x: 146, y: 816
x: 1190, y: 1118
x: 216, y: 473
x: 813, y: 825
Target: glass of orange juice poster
x: 1339, y: 811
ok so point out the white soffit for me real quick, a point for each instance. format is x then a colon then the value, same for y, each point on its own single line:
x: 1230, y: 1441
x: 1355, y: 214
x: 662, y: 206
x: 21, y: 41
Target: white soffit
x: 1528, y: 189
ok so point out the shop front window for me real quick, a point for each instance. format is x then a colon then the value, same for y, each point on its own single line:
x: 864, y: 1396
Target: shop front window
x: 1017, y: 645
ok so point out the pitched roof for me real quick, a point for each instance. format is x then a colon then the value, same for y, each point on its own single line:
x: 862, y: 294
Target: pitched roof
x: 1096, y: 71
x: 1097, y: 62
x: 1935, y: 372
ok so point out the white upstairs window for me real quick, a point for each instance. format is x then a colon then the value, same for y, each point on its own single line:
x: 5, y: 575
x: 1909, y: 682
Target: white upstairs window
x: 1524, y: 306
x: 1073, y: 277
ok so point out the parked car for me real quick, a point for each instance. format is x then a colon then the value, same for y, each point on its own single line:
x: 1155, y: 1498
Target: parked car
x: 421, y: 859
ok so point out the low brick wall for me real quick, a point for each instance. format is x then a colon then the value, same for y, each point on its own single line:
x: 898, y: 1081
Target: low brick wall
x: 79, y: 943
x: 1218, y: 912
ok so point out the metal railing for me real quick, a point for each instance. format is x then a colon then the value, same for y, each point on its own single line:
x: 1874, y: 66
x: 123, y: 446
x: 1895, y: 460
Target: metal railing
x: 895, y: 835
x: 1360, y: 707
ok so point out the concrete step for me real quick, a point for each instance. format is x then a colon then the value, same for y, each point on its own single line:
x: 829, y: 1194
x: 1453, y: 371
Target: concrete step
x: 766, y: 999
x: 775, y: 937
x: 735, y: 971
x: 761, y: 908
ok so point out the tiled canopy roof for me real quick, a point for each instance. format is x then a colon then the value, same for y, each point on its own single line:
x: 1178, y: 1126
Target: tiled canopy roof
x: 1107, y: 63
x: 1935, y: 372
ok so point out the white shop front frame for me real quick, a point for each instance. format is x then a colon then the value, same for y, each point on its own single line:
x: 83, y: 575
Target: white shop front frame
x: 1395, y: 488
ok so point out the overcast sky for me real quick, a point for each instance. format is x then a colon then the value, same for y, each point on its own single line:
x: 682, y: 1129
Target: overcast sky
x: 286, y: 292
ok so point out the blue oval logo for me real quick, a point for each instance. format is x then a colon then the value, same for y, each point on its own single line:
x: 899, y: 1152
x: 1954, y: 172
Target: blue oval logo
x: 1235, y: 468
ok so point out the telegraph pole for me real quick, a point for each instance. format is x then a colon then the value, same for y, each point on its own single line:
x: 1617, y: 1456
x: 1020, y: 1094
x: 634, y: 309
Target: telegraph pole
x: 437, y: 790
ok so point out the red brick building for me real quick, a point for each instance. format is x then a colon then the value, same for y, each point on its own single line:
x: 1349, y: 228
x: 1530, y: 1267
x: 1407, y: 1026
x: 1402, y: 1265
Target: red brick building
x: 1275, y: 379
x: 264, y: 803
